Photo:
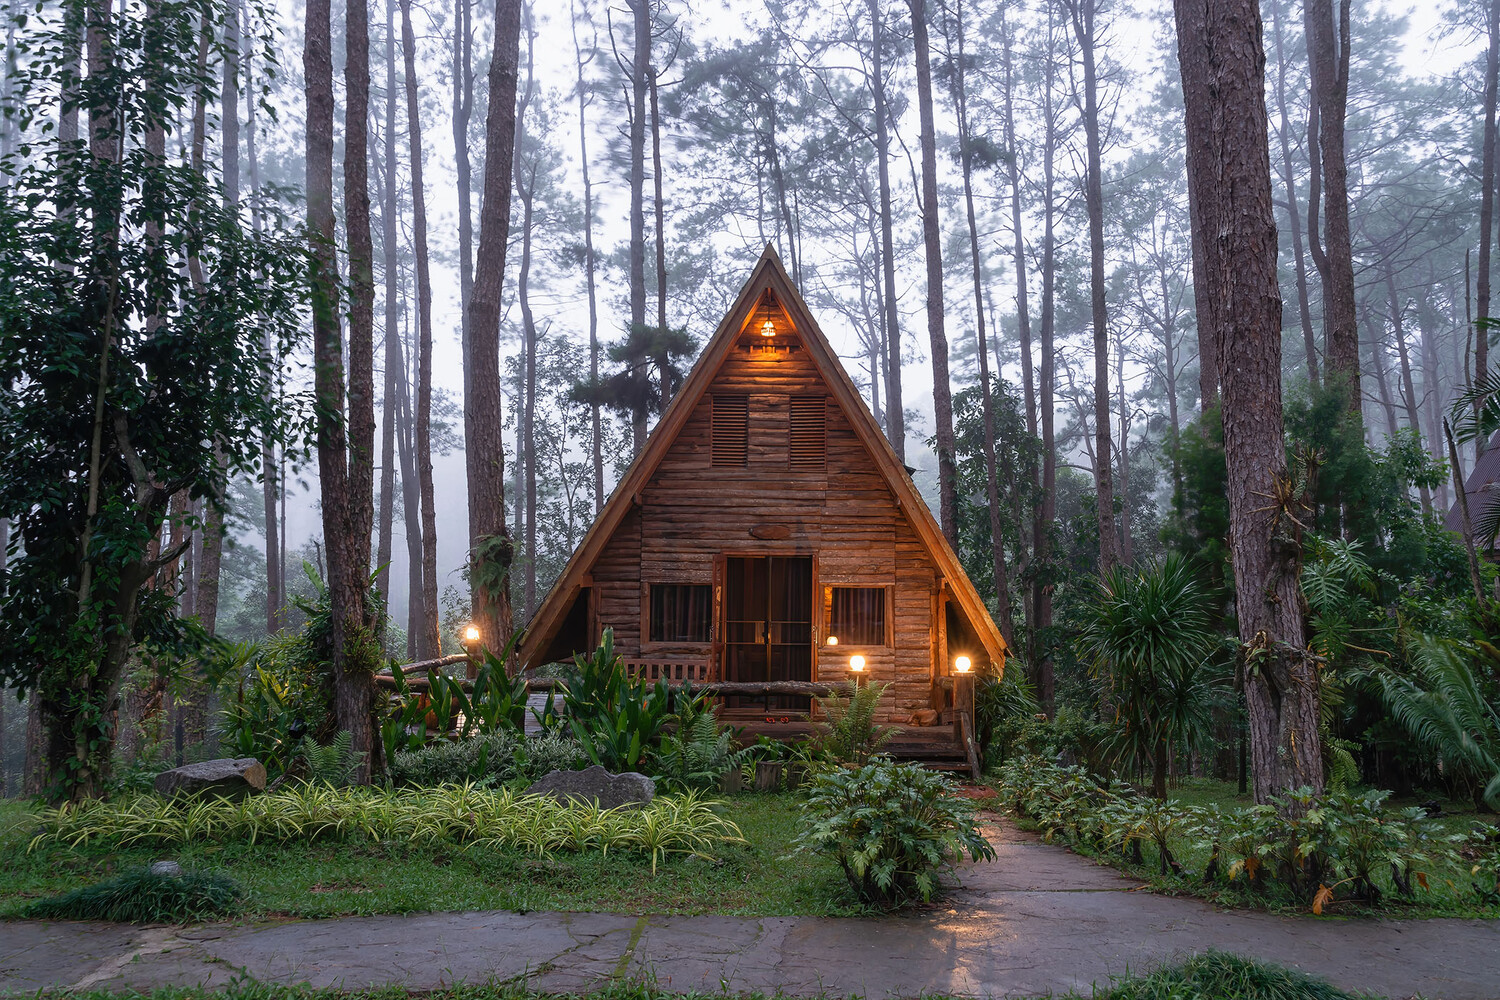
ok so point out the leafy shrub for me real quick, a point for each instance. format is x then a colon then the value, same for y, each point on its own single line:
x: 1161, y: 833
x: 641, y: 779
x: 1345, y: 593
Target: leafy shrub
x: 336, y: 764
x: 616, y: 718
x: 851, y: 736
x: 1309, y: 847
x: 891, y: 827
x: 493, y: 758
x: 698, y: 752
x: 1446, y: 712
x: 452, y: 813
x: 138, y: 896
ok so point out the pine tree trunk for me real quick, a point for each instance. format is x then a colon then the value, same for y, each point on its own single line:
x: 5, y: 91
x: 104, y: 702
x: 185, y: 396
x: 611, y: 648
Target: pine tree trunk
x: 385, y: 519
x: 1289, y: 181
x: 491, y: 548
x: 1398, y: 327
x: 270, y: 464
x: 1082, y: 14
x: 351, y: 678
x: 1220, y: 50
x: 992, y: 477
x: 1046, y: 688
x: 640, y: 65
x: 418, y: 612
x: 661, y: 226
x: 596, y: 430
x: 428, y: 642
x: 895, y: 414
x: 1487, y: 192
x: 942, y: 389
x: 1328, y: 57
x: 463, y: 111
x: 526, y: 447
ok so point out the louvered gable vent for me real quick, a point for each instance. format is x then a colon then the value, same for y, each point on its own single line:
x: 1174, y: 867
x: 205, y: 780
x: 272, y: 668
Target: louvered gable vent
x: 809, y: 432
x: 731, y: 429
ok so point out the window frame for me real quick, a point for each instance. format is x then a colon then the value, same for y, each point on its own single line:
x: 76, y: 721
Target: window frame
x: 888, y: 639
x: 648, y: 609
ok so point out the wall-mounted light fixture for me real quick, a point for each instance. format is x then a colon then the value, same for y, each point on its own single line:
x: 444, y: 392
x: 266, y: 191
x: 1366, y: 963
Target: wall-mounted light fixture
x: 962, y: 665
x: 857, y: 663
x: 833, y: 640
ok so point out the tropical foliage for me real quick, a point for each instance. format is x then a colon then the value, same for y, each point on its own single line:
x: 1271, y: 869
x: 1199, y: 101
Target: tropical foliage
x: 892, y: 828
x: 143, y: 896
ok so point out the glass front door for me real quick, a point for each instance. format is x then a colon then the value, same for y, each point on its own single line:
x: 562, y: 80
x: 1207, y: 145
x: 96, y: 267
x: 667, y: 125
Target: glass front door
x: 768, y: 614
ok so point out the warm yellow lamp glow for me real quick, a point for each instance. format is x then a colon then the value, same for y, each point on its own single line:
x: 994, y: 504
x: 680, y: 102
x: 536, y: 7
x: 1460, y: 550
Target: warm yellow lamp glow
x: 768, y: 328
x: 471, y: 634
x: 833, y: 640
x: 962, y: 665
x: 857, y: 663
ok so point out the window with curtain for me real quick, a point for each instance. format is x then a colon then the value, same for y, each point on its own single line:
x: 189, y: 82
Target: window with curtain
x: 856, y: 615
x: 681, y: 612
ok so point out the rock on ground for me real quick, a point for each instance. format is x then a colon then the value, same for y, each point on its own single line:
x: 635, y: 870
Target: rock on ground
x: 597, y: 785
x: 230, y: 779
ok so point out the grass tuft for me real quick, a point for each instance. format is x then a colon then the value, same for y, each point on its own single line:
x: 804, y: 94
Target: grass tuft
x: 140, y: 897
x: 1215, y: 975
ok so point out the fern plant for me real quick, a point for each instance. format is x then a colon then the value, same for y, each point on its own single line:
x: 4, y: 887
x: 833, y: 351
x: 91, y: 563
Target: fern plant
x: 850, y: 735
x: 1445, y: 712
x: 698, y: 752
x: 336, y: 764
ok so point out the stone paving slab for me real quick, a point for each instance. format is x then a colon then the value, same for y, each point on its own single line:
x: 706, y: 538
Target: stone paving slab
x: 1037, y: 919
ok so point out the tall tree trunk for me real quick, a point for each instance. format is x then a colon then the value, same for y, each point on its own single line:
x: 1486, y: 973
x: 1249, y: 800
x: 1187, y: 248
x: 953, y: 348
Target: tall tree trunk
x: 895, y: 422
x: 661, y: 225
x: 270, y: 464
x: 1082, y: 14
x: 418, y: 613
x: 463, y: 111
x: 1409, y: 391
x: 1221, y: 52
x: 987, y: 403
x: 640, y: 69
x: 1328, y: 58
x: 942, y: 389
x: 526, y: 450
x: 1127, y: 549
x: 596, y: 430
x: 351, y: 676
x: 1289, y: 181
x: 491, y: 548
x: 1487, y: 192
x: 1046, y: 687
x: 385, y: 526
x: 428, y: 642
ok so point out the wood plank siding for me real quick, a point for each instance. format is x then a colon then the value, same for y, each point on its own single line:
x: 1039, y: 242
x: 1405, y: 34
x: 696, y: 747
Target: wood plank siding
x: 769, y: 451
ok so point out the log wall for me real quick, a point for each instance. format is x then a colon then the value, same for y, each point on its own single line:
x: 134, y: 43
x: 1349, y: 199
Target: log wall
x: 691, y: 512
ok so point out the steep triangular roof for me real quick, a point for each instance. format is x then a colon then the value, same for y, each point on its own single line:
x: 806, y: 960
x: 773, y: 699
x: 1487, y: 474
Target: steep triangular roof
x: 768, y: 273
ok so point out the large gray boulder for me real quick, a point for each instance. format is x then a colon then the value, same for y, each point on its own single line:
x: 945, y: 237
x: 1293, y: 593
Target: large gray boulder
x: 595, y: 784
x: 228, y: 779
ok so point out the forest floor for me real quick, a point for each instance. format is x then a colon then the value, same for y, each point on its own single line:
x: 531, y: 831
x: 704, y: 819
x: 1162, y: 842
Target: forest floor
x: 1038, y: 919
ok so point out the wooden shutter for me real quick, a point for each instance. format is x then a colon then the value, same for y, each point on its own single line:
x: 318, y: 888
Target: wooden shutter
x: 731, y: 429
x: 809, y: 432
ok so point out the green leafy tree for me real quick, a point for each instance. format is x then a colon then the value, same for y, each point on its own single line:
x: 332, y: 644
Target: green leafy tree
x: 136, y: 312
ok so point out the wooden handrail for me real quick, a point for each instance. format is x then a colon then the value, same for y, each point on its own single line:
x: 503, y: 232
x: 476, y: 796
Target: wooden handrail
x: 540, y: 684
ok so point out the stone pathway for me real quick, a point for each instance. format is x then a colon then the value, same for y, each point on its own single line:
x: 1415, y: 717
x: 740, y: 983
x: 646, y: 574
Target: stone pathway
x: 1037, y: 919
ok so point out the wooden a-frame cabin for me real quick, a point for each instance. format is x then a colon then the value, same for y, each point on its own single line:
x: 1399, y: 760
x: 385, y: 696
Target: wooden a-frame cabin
x: 768, y: 532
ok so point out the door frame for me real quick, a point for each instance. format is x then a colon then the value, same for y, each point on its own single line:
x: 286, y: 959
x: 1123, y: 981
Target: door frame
x: 721, y: 568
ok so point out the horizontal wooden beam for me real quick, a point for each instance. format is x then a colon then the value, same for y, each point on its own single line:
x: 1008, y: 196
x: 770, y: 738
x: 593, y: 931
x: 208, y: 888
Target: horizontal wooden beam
x: 750, y: 688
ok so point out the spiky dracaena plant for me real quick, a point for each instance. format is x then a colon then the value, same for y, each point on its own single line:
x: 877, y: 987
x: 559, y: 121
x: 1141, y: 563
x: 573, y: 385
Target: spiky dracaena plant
x: 1444, y: 710
x: 1151, y: 639
x: 850, y: 734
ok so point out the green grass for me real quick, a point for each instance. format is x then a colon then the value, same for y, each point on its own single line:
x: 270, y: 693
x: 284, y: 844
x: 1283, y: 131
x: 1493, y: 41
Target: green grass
x: 762, y: 878
x: 1449, y: 893
x: 1210, y: 976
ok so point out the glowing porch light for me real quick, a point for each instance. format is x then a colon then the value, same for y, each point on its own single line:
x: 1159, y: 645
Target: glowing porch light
x: 833, y: 640
x: 471, y: 634
x: 857, y: 663
x: 962, y: 665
